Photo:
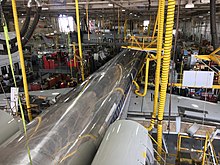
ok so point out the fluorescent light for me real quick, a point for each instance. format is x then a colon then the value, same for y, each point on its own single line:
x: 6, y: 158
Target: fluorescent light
x: 131, y: 13
x: 45, y: 8
x: 110, y: 4
x: 189, y: 5
x: 135, y: 15
x: 123, y: 10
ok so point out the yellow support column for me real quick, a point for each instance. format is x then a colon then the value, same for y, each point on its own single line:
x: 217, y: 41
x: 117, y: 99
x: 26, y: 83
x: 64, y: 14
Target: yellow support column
x: 79, y: 40
x: 17, y: 30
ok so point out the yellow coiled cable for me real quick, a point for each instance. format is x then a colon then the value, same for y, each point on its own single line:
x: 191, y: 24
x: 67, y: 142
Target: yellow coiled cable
x: 165, y: 70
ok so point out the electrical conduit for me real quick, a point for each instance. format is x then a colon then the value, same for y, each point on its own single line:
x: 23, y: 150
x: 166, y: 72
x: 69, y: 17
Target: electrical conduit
x: 165, y: 70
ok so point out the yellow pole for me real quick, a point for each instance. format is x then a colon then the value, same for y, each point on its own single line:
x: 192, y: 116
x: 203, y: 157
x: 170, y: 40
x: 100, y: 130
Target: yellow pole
x: 165, y: 71
x: 156, y: 23
x: 17, y: 30
x: 79, y: 39
x: 160, y: 16
x: 205, y: 149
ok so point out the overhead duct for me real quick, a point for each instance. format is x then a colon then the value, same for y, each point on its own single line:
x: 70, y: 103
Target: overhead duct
x: 23, y: 29
x: 26, y: 31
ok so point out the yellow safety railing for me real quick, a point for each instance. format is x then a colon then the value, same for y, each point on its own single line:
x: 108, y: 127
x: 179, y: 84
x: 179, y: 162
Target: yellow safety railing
x: 163, y: 155
x: 211, y: 57
x: 203, y: 151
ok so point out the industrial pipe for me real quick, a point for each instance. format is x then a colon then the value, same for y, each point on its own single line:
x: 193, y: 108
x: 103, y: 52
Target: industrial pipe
x: 165, y: 71
x: 17, y: 30
x: 27, y: 35
x: 79, y: 40
x: 23, y: 29
x: 71, y: 130
x: 161, y: 9
x: 137, y: 91
x: 214, y: 33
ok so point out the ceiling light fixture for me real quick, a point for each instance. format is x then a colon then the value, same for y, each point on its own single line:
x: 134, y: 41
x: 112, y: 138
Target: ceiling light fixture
x: 131, y: 13
x: 110, y: 4
x: 45, y: 8
x: 123, y: 10
x: 189, y: 5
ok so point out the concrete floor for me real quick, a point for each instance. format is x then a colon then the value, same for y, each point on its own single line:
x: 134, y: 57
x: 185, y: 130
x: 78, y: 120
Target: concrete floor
x: 197, y: 108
